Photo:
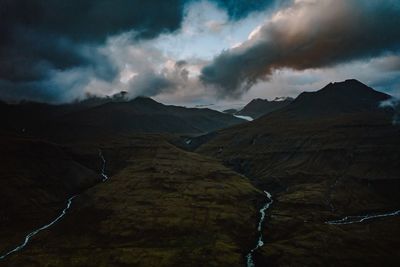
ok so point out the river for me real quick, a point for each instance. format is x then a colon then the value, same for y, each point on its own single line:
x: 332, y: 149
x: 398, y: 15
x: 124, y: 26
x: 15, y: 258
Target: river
x: 260, y: 240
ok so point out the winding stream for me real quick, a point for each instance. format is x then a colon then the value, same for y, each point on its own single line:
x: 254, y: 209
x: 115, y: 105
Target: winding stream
x: 33, y: 233
x: 103, y: 167
x: 260, y: 241
x: 362, y: 218
x: 62, y: 214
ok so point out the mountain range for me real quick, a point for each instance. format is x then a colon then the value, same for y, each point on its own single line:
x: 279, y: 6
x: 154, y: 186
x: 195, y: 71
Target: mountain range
x: 90, y: 119
x: 185, y: 186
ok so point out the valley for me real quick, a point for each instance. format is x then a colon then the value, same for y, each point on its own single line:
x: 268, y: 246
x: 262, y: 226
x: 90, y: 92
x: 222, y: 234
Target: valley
x: 313, y: 183
x: 199, y: 133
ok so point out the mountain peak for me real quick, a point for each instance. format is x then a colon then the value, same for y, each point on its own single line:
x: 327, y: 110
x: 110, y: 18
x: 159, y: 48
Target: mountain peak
x: 259, y: 107
x: 352, y: 84
x: 353, y: 81
x: 144, y: 100
x: 258, y: 100
x: 337, y: 98
x: 351, y: 90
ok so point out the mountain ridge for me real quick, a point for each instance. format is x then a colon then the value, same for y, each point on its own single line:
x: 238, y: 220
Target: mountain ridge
x: 336, y: 98
x: 258, y: 107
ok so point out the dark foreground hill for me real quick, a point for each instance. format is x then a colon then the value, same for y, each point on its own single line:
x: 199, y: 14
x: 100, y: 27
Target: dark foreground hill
x: 329, y: 154
x: 36, y: 178
x: 161, y: 206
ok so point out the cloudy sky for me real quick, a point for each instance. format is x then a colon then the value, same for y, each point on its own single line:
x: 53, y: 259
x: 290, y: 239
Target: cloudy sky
x: 222, y: 52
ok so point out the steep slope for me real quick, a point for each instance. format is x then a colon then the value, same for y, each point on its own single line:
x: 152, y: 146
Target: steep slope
x: 166, y: 207
x: 259, y: 107
x: 328, y: 154
x: 350, y: 96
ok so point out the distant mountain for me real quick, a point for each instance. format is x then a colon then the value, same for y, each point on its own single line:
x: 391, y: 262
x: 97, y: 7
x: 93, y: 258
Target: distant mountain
x: 230, y: 111
x: 259, y: 107
x: 140, y: 115
x: 27, y: 114
x: 349, y: 96
x: 148, y: 116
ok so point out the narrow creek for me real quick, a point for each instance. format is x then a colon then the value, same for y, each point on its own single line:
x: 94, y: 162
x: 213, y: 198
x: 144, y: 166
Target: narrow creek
x: 103, y: 167
x: 362, y: 218
x: 51, y: 223
x: 260, y: 241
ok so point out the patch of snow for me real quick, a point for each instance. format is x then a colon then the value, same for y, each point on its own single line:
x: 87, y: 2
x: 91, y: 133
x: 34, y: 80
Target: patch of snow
x: 247, y: 118
x: 281, y: 98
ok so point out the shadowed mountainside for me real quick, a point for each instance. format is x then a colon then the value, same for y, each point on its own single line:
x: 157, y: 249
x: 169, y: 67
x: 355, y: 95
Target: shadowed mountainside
x: 335, y: 99
x: 328, y: 154
x: 82, y: 121
x: 146, y: 115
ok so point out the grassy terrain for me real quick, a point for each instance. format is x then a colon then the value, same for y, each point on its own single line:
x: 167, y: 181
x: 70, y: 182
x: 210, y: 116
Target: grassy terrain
x: 36, y: 177
x: 320, y: 170
x: 297, y: 235
x: 161, y: 207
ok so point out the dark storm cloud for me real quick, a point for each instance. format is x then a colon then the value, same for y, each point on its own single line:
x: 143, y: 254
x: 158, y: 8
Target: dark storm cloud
x: 38, y: 36
x: 149, y: 83
x: 91, y: 20
x: 238, y: 9
x: 308, y: 34
x: 28, y: 55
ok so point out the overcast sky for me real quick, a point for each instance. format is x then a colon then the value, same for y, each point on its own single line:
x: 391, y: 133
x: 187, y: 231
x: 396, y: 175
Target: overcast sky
x: 193, y: 52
